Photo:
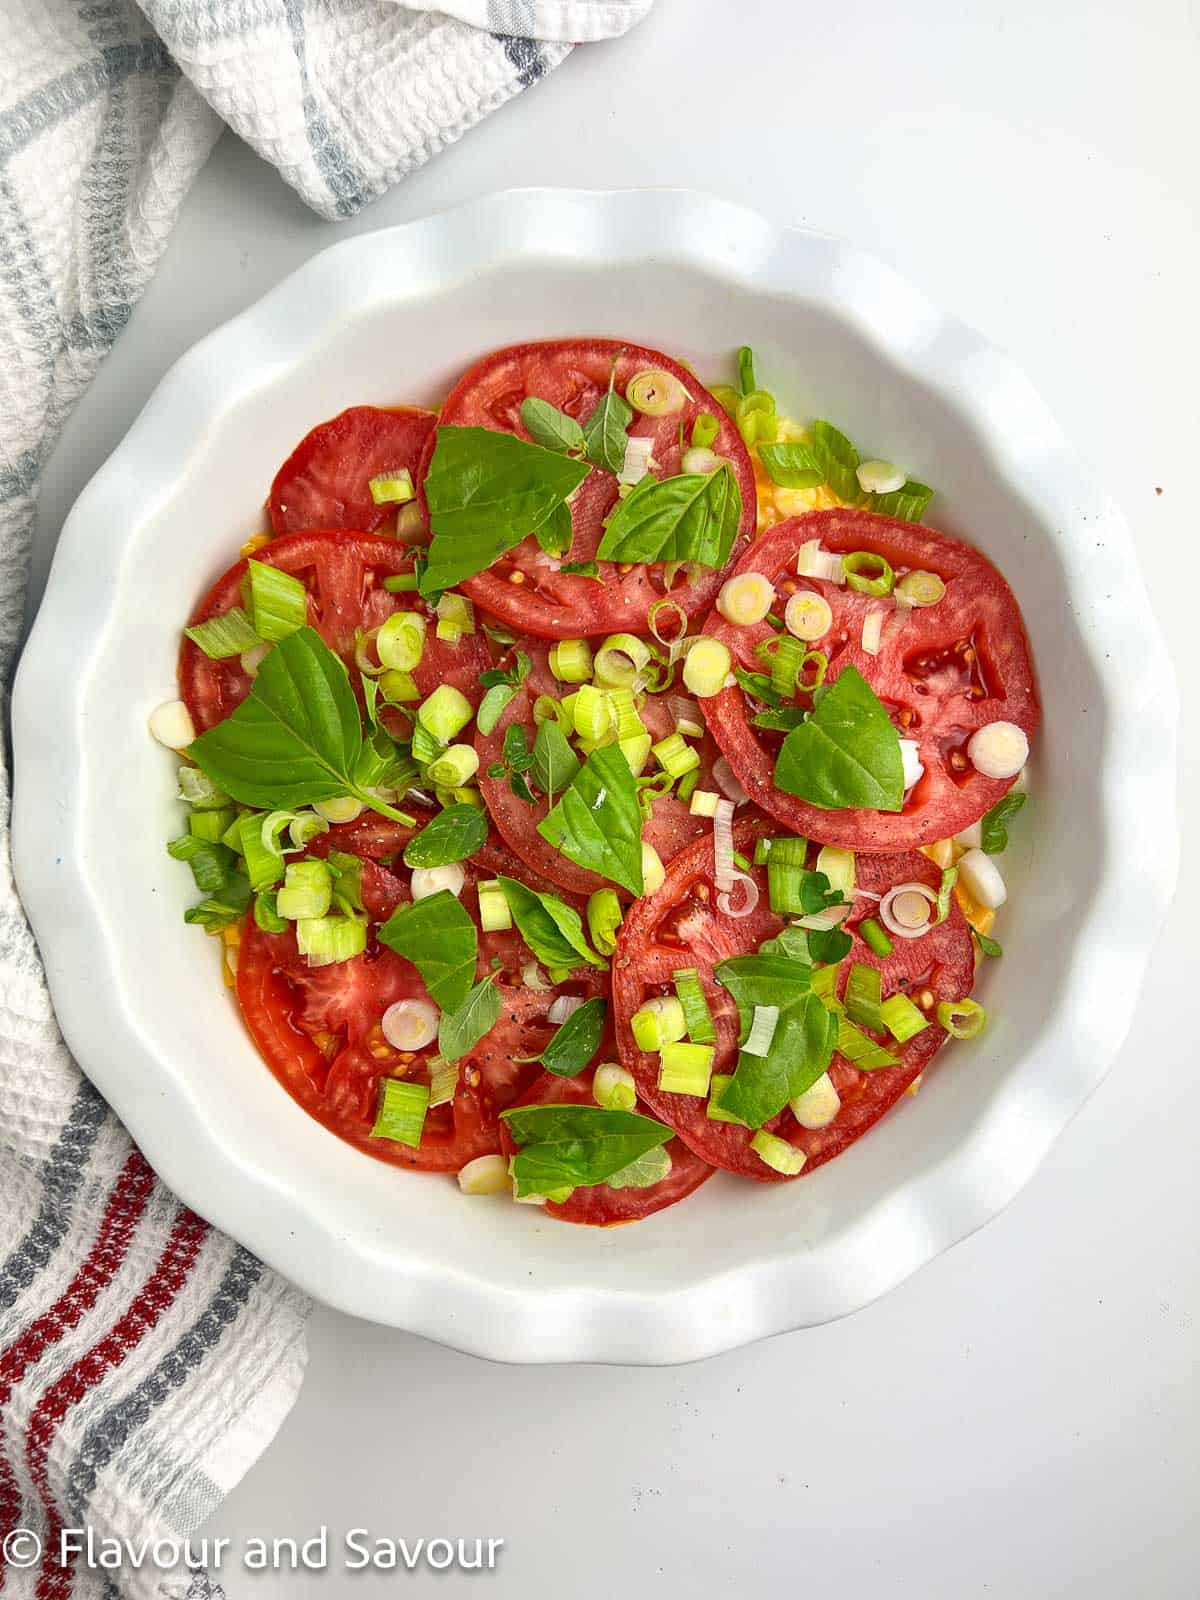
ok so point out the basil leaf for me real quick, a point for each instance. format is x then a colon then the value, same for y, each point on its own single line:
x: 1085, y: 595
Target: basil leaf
x: 460, y: 1031
x: 575, y: 1044
x: 517, y: 753
x: 758, y: 685
x: 604, y: 432
x: 297, y: 736
x: 493, y: 706
x: 453, y: 836
x: 486, y: 491
x: 555, y: 764
x: 828, y: 947
x: 792, y: 466
x: 846, y: 754
x: 780, y: 719
x: 837, y: 458
x: 563, y: 1147
x: 598, y: 824
x: 801, y: 1047
x: 988, y: 947
x: 908, y: 502
x: 994, y: 827
x: 438, y: 936
x: 228, y: 904
x: 554, y: 535
x: 693, y: 517
x: 580, y: 569
x: 654, y: 1167
x: 551, y: 929
x: 550, y: 427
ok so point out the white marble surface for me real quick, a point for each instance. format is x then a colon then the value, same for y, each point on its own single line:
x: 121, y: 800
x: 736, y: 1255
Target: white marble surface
x: 1020, y: 1419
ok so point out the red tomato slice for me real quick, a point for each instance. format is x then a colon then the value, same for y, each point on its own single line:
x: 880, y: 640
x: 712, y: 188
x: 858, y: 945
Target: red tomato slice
x: 344, y: 575
x: 598, y: 1205
x: 525, y: 587
x: 680, y: 926
x: 326, y: 481
x: 942, y: 671
x: 318, y: 1029
x: 669, y: 828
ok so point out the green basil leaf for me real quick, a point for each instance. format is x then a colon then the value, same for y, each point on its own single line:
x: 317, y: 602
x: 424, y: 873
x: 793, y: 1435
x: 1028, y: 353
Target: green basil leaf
x: 988, y: 947
x: 550, y: 427
x: 493, y: 706
x: 994, y: 827
x: 563, y: 1147
x: 838, y: 460
x: 792, y: 466
x: 550, y: 927
x: 575, y: 1044
x: 438, y: 936
x: 692, y: 517
x: 801, y: 1047
x: 517, y: 753
x: 847, y: 754
x: 460, y: 1031
x: 758, y: 684
x: 486, y: 491
x: 598, y: 824
x: 780, y: 719
x: 555, y: 764
x: 654, y: 1167
x: 580, y: 569
x: 554, y: 535
x: 228, y: 904
x: 453, y: 836
x: 604, y: 432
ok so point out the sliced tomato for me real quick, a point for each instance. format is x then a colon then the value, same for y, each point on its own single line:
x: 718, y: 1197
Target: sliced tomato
x: 681, y: 926
x: 326, y: 481
x: 525, y: 588
x: 670, y: 825
x: 344, y: 576
x: 942, y: 671
x: 599, y: 1205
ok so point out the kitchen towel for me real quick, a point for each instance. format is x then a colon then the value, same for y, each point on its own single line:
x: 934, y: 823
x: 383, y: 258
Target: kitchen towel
x: 145, y: 1360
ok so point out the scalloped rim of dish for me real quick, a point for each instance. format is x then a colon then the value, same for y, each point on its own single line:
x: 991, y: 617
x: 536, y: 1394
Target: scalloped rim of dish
x: 944, y: 1203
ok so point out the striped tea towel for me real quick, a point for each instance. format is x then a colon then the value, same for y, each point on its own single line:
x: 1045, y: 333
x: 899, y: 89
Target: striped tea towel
x: 146, y: 1361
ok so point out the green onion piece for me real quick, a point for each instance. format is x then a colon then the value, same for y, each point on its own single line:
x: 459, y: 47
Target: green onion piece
x: 719, y: 1082
x: 676, y: 756
x: 212, y: 825
x: 604, y: 918
x: 455, y: 766
x: 443, y: 1081
x: 762, y: 850
x: 400, y: 642
x: 547, y: 709
x: 704, y: 431
x: 232, y: 835
x: 305, y: 825
x: 263, y: 867
x: 824, y: 984
x: 571, y: 660
x: 962, y: 1019
x: 456, y: 617
x: 838, y: 867
x: 266, y: 916
x: 864, y: 996
x: 445, y: 713
x: 786, y: 877
x: 392, y: 488
x: 860, y: 1051
x: 745, y: 361
x: 614, y: 1088
x: 307, y: 891
x: 706, y: 667
x: 658, y: 1023
x: 902, y: 1019
x: 211, y: 863
x: 921, y: 588
x: 398, y: 688
x: 874, y: 936
x: 816, y: 662
x: 629, y: 723
x: 726, y: 397
x: 276, y: 601
x: 868, y: 573
x: 756, y: 417
x: 401, y: 1115
x: 696, y: 1015
x: 401, y: 583
x: 685, y: 1068
x: 785, y: 665
x: 778, y: 1154
x: 636, y: 751
x: 687, y: 786
x: 495, y: 915
x: 593, y: 713
x: 945, y: 890
x: 227, y: 904
x: 198, y: 789
x: 326, y: 940
x: 619, y: 660
x: 227, y: 635
x: 426, y: 747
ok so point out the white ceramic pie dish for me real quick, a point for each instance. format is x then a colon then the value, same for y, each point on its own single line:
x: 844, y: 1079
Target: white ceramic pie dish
x: 394, y: 316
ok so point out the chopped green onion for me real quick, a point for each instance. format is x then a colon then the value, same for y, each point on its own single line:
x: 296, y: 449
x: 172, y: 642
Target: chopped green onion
x: 687, y: 784
x: 495, y: 916
x: 326, y: 940
x: 227, y: 635
x: 263, y: 866
x: 962, y: 1019
x: 864, y: 996
x: 778, y: 1154
x: 756, y: 417
x: 819, y: 662
x: 902, y: 1019
x: 400, y: 642
x: 824, y: 984
x: 656, y: 394
x: 786, y: 877
x: 704, y: 431
x: 706, y: 667
x: 658, y: 1023
x: 277, y: 602
x: 785, y: 665
x: 745, y: 361
x: 636, y: 751
x: 593, y: 713
x: 307, y: 891
x: 653, y: 872
x: 921, y: 588
x: 402, y: 583
x: 211, y: 863
x: 426, y: 747
x: 838, y: 867
x: 675, y: 755
x: 629, y: 723
x: 726, y: 396
x: 614, y: 1088
x: 456, y: 617
x: 945, y: 889
x: 571, y: 660
x: 860, y: 1051
x: 398, y: 688
x: 392, y: 488
x: 762, y: 850
x: 657, y: 610
x: 875, y: 938
x: 198, y: 789
x: 212, y: 825
x: 443, y: 1081
x: 401, y: 1115
x: 746, y: 598
x: 685, y: 1068
x: 455, y: 766
x: 445, y: 713
x: 547, y: 709
x: 619, y: 660
x: 604, y: 918
x: 719, y: 1082
x: 868, y: 573
x: 266, y: 916
x: 304, y: 825
x: 696, y: 1015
